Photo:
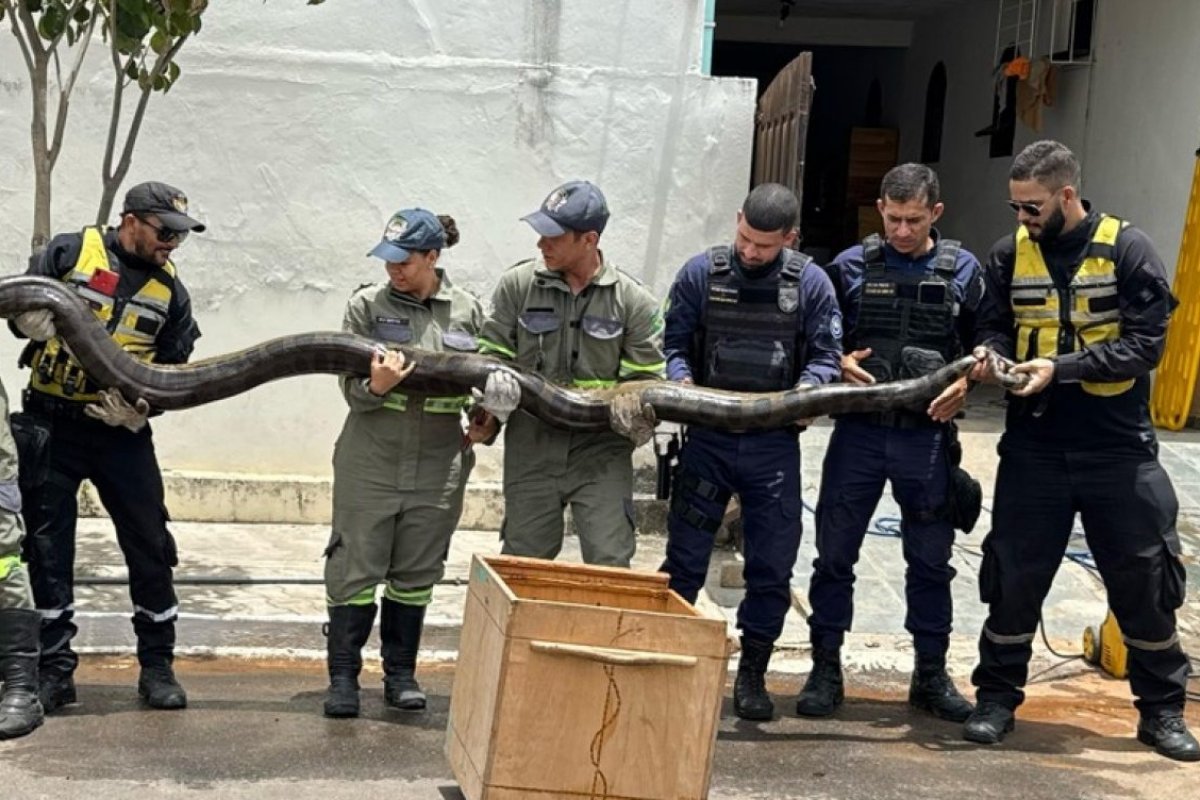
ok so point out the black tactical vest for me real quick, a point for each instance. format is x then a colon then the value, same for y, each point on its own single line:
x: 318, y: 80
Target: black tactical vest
x: 751, y: 339
x: 907, y: 318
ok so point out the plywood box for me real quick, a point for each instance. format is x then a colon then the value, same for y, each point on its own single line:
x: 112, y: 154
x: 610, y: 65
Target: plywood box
x: 576, y: 681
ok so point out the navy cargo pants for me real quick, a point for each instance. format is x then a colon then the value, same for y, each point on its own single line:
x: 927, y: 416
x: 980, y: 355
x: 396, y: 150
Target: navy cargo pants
x: 862, y: 456
x: 124, y: 469
x: 1128, y: 509
x: 763, y: 469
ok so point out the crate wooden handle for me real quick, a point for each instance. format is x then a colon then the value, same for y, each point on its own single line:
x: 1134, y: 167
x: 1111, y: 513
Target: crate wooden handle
x: 612, y: 655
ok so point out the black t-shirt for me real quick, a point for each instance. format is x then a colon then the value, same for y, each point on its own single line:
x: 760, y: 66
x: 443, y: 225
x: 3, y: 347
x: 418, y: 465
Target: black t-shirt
x: 1064, y: 415
x: 176, y: 339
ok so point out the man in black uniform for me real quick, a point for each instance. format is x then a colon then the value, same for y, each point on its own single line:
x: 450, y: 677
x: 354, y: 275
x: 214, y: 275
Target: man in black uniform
x: 126, y: 276
x: 1081, y: 299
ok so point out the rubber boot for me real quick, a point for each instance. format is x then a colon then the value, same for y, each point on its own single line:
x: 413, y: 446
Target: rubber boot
x: 348, y: 630
x: 750, y: 697
x: 157, y: 684
x: 824, y: 691
x: 20, y: 709
x: 932, y: 690
x: 400, y: 636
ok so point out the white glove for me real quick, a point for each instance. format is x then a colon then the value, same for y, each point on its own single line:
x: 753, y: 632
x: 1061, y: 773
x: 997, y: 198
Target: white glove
x: 500, y: 396
x: 631, y: 419
x: 37, y: 324
x: 113, y: 409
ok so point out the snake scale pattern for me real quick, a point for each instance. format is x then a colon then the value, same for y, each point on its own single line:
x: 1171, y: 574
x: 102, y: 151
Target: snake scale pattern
x: 170, y: 388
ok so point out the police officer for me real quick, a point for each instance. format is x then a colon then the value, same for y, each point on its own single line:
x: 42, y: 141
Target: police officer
x: 908, y: 300
x: 754, y: 316
x: 579, y: 321
x: 1081, y: 299
x: 126, y: 275
x: 401, y: 463
x: 20, y: 709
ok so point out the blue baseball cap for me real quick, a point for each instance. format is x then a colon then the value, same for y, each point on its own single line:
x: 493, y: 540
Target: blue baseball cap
x: 408, y: 230
x: 574, y: 206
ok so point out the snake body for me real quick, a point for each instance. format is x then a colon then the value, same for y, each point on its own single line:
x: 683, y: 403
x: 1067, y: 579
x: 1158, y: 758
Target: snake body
x: 169, y: 387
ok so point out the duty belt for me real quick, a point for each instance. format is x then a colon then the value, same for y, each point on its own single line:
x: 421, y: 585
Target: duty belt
x: 45, y: 405
x: 901, y: 420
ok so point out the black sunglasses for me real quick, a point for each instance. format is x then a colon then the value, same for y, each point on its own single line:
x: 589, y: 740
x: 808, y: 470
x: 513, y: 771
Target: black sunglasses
x: 1032, y: 209
x: 165, y: 235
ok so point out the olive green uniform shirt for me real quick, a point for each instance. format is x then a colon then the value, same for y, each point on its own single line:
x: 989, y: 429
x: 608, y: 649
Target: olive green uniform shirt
x: 401, y: 463
x: 609, y: 332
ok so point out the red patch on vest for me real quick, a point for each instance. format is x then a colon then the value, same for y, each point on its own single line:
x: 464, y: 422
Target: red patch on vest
x: 104, y: 281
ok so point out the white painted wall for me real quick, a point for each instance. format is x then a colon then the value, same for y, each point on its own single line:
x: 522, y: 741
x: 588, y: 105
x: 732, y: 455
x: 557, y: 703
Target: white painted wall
x: 296, y: 131
x: 1133, y: 116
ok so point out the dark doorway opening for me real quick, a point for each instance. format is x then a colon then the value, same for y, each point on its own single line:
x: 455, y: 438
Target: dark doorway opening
x: 857, y: 89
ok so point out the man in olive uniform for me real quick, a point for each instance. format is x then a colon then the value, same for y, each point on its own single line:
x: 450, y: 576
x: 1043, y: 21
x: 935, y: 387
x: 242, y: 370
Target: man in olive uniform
x: 20, y: 710
x: 579, y: 321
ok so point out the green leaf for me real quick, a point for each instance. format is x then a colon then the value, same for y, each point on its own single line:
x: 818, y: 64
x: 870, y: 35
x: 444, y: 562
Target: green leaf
x: 83, y: 13
x: 53, y: 20
x: 160, y: 42
x: 131, y: 70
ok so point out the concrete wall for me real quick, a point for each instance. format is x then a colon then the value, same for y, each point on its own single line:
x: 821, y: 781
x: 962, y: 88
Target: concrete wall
x: 296, y: 132
x: 1133, y: 116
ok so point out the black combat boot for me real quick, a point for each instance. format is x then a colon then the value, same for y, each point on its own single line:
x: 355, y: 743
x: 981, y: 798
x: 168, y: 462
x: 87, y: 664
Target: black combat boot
x: 932, y: 690
x: 56, y: 666
x: 400, y: 639
x: 156, y: 654
x: 55, y: 690
x: 20, y: 709
x: 1168, y: 734
x: 750, y: 698
x: 989, y: 723
x: 348, y: 630
x: 823, y: 692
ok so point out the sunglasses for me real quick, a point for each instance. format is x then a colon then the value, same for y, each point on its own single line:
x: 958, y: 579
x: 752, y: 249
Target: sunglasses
x: 165, y: 235
x: 1031, y: 209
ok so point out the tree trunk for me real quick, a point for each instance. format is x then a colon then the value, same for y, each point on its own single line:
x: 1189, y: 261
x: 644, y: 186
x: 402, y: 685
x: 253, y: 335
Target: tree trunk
x: 42, y: 167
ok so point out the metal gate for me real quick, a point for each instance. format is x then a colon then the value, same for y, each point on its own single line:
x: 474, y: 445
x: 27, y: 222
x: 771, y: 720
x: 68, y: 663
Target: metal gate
x: 781, y: 126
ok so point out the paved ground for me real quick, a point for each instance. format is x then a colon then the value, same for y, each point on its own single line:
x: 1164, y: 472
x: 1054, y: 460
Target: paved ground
x: 250, y: 635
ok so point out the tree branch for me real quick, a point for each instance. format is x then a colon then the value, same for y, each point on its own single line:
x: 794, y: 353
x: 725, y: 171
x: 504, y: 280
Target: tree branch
x: 160, y: 66
x: 118, y: 90
x: 31, y: 32
x: 16, y: 29
x: 64, y: 96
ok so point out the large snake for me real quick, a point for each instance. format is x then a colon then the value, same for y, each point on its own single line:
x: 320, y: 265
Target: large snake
x: 170, y: 387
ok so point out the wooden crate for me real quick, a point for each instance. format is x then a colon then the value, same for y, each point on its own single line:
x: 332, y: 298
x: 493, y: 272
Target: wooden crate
x: 577, y: 682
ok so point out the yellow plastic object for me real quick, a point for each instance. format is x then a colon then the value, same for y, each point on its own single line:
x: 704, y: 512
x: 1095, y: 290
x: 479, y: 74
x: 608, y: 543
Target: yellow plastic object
x: 1171, y: 399
x: 1107, y: 650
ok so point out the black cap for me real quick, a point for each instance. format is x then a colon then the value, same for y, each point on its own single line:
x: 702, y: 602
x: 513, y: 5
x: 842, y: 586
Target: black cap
x: 166, y: 202
x: 574, y: 206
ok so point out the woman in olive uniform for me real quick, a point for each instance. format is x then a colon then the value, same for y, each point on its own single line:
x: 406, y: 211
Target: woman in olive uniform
x: 400, y: 464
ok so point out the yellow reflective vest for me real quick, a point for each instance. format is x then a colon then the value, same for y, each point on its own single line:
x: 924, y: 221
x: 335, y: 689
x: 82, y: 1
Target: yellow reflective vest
x: 55, y: 370
x: 1051, y: 322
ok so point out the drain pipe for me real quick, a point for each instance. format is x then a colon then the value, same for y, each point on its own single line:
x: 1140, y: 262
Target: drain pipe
x: 710, y: 25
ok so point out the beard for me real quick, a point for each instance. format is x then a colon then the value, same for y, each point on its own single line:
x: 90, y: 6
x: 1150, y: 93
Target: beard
x: 1051, y: 228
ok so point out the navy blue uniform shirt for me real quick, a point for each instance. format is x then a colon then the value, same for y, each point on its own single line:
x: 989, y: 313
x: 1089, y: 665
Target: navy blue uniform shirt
x: 820, y: 321
x: 847, y: 269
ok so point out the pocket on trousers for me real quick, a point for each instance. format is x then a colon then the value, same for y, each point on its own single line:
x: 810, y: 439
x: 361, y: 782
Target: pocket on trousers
x: 170, y: 550
x: 1174, y: 581
x: 630, y: 512
x: 989, y: 575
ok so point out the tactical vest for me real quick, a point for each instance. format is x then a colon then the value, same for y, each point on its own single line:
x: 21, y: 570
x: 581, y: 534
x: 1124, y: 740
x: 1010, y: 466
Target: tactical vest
x: 135, y: 328
x: 1051, y: 322
x: 907, y: 318
x: 752, y: 340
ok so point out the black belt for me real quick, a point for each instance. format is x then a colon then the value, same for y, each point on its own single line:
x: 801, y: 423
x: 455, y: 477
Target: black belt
x: 44, y: 405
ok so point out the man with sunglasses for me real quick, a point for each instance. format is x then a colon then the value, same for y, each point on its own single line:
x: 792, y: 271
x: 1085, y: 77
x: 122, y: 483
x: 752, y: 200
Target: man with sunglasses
x: 1081, y: 299
x: 126, y: 275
